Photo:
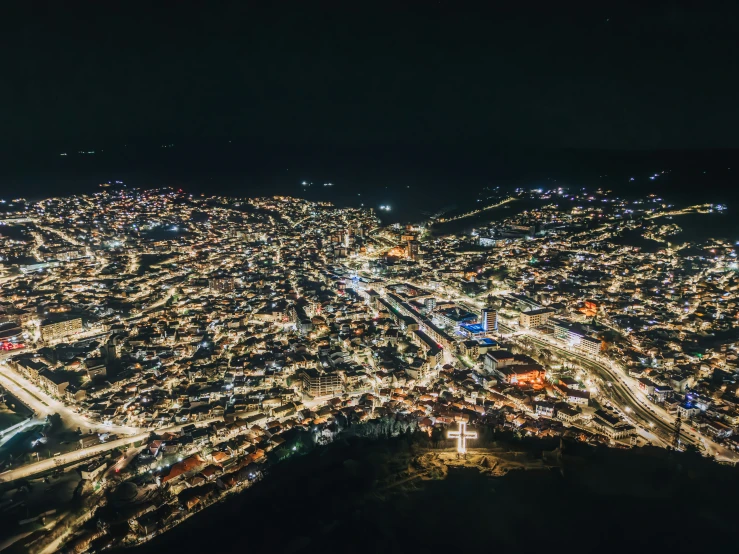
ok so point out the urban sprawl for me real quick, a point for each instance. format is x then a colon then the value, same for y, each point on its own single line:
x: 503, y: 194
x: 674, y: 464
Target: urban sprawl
x: 165, y: 348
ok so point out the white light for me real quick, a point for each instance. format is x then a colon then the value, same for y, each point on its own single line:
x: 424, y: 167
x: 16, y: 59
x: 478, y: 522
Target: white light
x: 462, y: 435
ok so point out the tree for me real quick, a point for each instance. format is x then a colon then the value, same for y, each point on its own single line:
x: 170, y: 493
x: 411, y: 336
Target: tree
x: 437, y: 435
x: 55, y: 422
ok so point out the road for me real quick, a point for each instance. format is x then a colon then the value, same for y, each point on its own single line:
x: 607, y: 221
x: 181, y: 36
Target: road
x: 618, y: 393
x: 624, y: 392
x: 44, y: 405
x: 474, y: 212
x: 78, y: 455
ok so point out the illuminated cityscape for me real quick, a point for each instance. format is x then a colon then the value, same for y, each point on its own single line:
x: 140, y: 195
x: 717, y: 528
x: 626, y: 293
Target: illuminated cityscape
x: 185, y: 342
x: 359, y: 278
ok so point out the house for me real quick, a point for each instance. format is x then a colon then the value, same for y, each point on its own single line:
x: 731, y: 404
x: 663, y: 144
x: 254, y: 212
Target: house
x: 646, y: 385
x: 718, y: 430
x: 545, y: 409
x: 572, y: 396
x: 611, y: 425
x: 181, y: 469
x: 567, y: 414
x: 688, y: 410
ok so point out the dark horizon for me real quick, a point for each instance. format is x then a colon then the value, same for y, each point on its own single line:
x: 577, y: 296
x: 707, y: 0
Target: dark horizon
x: 438, y: 75
x: 412, y: 180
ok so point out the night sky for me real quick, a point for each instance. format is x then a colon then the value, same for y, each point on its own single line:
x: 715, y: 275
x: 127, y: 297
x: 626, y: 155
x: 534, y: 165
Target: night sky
x: 366, y: 73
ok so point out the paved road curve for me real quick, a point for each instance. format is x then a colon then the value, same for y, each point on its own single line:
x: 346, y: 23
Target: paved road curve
x: 78, y: 455
x: 638, y: 409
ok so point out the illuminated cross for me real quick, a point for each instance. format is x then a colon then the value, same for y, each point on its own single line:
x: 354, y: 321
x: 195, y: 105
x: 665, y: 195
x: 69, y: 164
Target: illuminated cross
x: 462, y: 435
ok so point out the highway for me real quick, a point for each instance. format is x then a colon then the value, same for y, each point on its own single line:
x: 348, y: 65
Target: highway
x: 633, y: 403
x: 619, y: 394
x: 49, y: 464
x: 44, y: 405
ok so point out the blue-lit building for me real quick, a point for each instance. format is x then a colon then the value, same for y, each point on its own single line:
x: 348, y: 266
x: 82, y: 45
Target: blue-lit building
x: 472, y: 330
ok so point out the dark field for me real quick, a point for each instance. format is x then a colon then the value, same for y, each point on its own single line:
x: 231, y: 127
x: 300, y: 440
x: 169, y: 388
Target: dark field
x: 605, y: 501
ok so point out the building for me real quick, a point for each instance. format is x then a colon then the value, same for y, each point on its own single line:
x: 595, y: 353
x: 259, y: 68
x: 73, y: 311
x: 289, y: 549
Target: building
x: 60, y: 329
x: 534, y: 318
x: 221, y: 284
x: 472, y: 330
x: 718, y: 430
x: 545, y: 409
x: 521, y: 302
x: 489, y: 320
x: 434, y: 353
x: 661, y: 393
x: 590, y: 309
x: 320, y: 383
x: 576, y: 337
x: 437, y: 334
x: 523, y: 374
x: 300, y: 318
x: 611, y: 425
x: 497, y: 358
x: 688, y: 410
x: 646, y: 385
x: 474, y: 348
x: 412, y: 249
x: 55, y: 382
x: 513, y: 369
x: 572, y: 396
x: 454, y: 317
x: 567, y: 414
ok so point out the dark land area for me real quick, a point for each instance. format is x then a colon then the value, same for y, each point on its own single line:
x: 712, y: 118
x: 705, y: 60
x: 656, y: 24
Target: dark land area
x: 337, y: 499
x: 415, y: 181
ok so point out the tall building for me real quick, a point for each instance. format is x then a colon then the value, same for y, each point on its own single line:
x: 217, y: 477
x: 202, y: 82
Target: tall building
x: 60, y: 329
x: 489, y: 320
x: 412, y: 249
x: 320, y: 383
x: 534, y: 318
x: 576, y: 337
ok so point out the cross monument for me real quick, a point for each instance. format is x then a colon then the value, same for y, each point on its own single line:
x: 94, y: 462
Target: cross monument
x: 462, y: 435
